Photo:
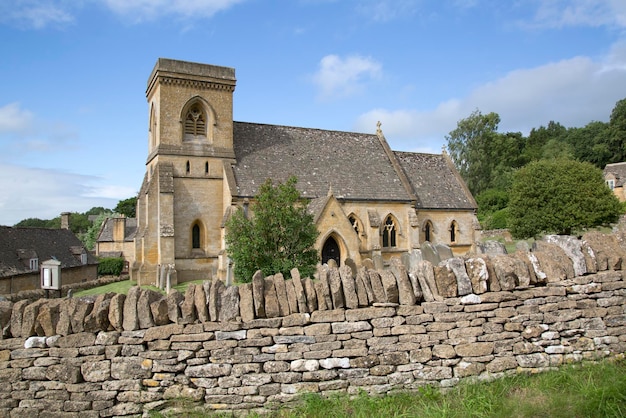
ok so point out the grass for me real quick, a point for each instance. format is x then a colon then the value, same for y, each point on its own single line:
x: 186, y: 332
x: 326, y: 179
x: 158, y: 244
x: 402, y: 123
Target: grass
x: 585, y: 390
x: 125, y: 285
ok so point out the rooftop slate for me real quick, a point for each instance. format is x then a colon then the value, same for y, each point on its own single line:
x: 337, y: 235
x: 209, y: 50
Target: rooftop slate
x: 619, y: 171
x: 106, y: 231
x: 19, y: 245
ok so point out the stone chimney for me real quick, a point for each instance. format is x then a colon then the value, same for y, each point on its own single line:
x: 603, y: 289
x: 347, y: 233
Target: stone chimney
x: 65, y: 220
x: 119, y: 228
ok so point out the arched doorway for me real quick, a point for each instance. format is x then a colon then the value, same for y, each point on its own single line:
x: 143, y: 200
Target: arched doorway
x: 330, y: 251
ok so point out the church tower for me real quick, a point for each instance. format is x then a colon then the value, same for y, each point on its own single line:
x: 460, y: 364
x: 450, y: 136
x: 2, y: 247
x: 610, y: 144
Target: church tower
x: 182, y: 199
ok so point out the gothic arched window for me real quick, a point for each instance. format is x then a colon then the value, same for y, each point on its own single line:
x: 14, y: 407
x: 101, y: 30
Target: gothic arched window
x: 428, y: 231
x: 195, y: 236
x: 454, y: 229
x: 389, y: 233
x: 195, y: 123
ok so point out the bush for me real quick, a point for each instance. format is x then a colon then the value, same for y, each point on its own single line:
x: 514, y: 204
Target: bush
x: 111, y: 266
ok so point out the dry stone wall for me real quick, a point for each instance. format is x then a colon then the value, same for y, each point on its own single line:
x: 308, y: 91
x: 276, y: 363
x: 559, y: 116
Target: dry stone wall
x: 422, y: 321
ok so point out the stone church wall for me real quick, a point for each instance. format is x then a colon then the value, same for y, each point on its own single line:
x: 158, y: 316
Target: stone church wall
x: 262, y: 344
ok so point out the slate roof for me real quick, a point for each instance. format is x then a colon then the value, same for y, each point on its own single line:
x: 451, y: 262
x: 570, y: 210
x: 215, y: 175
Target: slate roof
x: 436, y: 184
x: 106, y: 231
x: 19, y: 245
x: 619, y: 171
x: 354, y: 165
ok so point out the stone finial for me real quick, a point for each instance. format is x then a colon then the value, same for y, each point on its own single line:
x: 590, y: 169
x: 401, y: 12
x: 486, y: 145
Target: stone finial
x: 378, y: 130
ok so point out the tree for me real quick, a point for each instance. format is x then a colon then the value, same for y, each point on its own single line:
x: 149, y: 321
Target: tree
x: 277, y: 236
x: 127, y: 207
x: 559, y: 196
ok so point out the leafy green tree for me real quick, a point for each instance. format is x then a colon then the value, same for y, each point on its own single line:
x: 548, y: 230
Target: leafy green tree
x: 34, y: 223
x: 559, y: 196
x: 90, y: 236
x: 278, y: 234
x: 127, y: 207
x: 617, y: 131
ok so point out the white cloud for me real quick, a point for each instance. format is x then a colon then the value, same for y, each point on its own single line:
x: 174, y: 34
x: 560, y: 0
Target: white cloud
x: 14, y: 119
x: 43, y: 193
x: 342, y: 77
x: 140, y: 10
x: 572, y: 92
x: 36, y: 14
x: 592, y: 13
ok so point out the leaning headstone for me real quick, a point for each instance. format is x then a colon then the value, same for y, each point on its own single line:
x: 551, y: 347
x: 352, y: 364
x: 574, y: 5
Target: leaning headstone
x: 492, y: 247
x: 429, y: 253
x: 350, y: 263
x: 368, y: 264
x: 444, y: 251
x: 349, y: 287
x: 377, y: 259
x: 415, y: 256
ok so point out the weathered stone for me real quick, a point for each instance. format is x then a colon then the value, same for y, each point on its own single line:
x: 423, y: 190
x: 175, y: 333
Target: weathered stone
x: 429, y: 253
x: 426, y: 278
x: 230, y: 304
x: 163, y: 332
x: 362, y: 290
x: 272, y: 309
x: 299, y: 289
x: 160, y: 312
x: 478, y: 274
x: 281, y: 292
x: 97, y: 371
x: 533, y: 360
x: 311, y: 296
x: 390, y: 286
x: 174, y: 299
x: 302, y: 365
x: 349, y: 327
x: 406, y: 293
x: 335, y: 315
x: 48, y: 317
x: 131, y: 368
x: 184, y: 392
x: 200, y: 302
x: 258, y: 294
x: 215, y: 296
x: 604, y: 249
x: 83, y: 339
x: 336, y: 290
x: 29, y: 318
x: 446, y: 281
x: 144, y: 313
x: 510, y: 271
x: 246, y: 303
x: 474, y: 349
x: 457, y: 266
x: 378, y: 291
x: 292, y: 301
x: 365, y: 314
x: 500, y: 364
x: 130, y: 322
x: 444, y: 251
x: 349, y: 287
x: 572, y: 247
x: 208, y: 370
x: 116, y: 311
x: 335, y: 363
x: 444, y: 351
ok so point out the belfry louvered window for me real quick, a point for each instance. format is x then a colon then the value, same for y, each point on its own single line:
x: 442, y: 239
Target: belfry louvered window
x: 195, y: 123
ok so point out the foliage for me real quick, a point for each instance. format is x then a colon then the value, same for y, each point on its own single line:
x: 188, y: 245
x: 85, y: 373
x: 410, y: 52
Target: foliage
x: 127, y: 207
x: 111, y: 266
x: 91, y: 235
x: 278, y: 236
x: 34, y: 223
x: 559, y: 196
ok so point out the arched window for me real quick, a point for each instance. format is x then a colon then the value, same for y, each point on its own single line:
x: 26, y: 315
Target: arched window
x: 195, y: 236
x: 356, y: 224
x: 454, y: 229
x: 152, y: 128
x: 389, y: 233
x: 428, y: 231
x: 195, y: 123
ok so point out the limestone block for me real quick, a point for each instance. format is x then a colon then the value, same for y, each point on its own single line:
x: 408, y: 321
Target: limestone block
x: 272, y: 309
x: 98, y: 318
x: 335, y: 363
x: 292, y: 301
x: 478, y: 274
x: 336, y: 290
x: 215, y: 299
x: 390, y: 286
x: 378, y: 291
x: 258, y: 294
x: 229, y: 304
x: 510, y: 272
x: 349, y: 327
x: 174, y: 300
x: 246, y: 302
x: 310, y: 293
x: 160, y: 311
x: 406, y: 293
x: 446, y: 281
x: 131, y: 322
x: 96, y: 371
x: 426, y: 281
x: 281, y: 292
x: 29, y: 318
x: 335, y: 315
x: 48, y: 318
x: 364, y: 286
x: 474, y: 349
x: 349, y: 287
x: 144, y: 313
x: 200, y: 299
x: 457, y: 265
x: 116, y: 311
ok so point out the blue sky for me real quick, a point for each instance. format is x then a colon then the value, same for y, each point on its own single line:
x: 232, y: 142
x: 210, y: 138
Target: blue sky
x: 74, y: 118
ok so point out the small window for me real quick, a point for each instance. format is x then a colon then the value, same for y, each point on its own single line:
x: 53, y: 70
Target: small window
x: 389, y: 233
x: 188, y: 167
x: 206, y: 168
x: 428, y: 230
x: 355, y: 224
x: 34, y: 264
x: 611, y: 184
x: 454, y: 229
x: 83, y: 258
x: 195, y: 237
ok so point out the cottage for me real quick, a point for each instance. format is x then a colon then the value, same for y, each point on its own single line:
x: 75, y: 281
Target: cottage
x: 369, y: 202
x: 614, y: 176
x: 24, y: 250
x: 116, y: 238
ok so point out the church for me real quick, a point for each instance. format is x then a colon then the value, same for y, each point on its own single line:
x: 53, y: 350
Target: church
x: 368, y: 201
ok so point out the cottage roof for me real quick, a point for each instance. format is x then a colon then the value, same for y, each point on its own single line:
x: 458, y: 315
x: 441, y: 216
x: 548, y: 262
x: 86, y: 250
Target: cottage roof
x: 435, y: 181
x: 106, y: 231
x: 19, y: 245
x: 354, y: 165
x: 619, y: 172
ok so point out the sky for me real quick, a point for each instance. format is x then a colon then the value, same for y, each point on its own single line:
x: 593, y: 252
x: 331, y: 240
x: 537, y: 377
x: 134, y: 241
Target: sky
x: 73, y: 74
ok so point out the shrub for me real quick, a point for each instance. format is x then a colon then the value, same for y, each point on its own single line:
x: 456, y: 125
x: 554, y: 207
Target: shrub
x: 111, y: 266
